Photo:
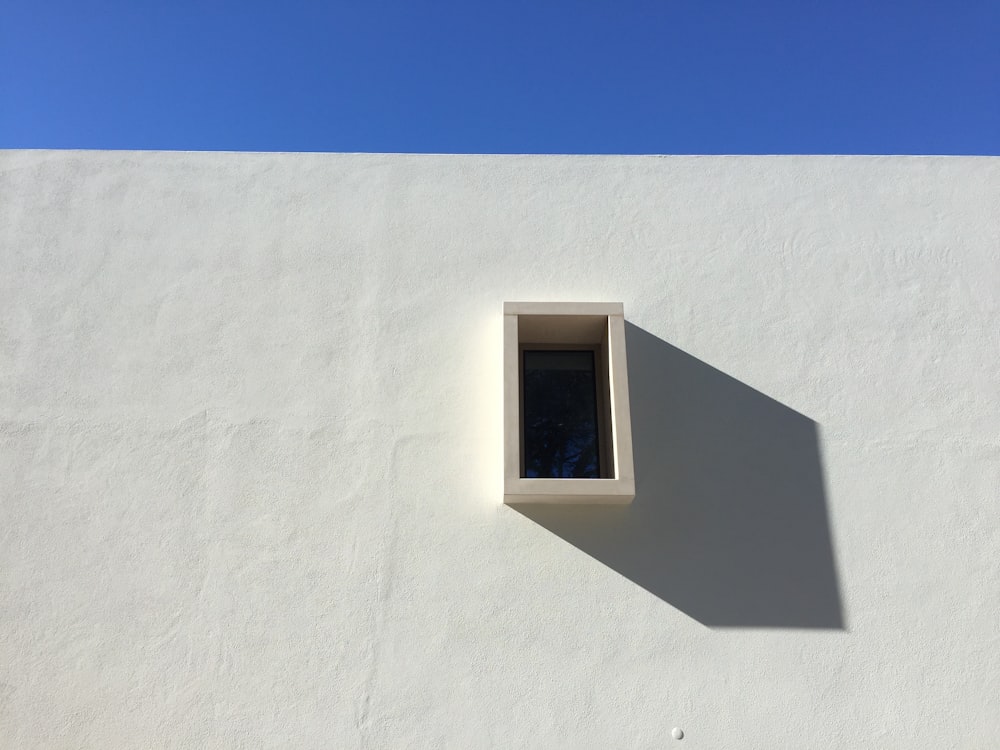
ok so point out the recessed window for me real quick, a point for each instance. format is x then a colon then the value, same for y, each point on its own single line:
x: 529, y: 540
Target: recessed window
x: 559, y: 415
x: 567, y: 427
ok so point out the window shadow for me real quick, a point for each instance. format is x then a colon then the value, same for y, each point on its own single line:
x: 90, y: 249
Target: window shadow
x: 729, y: 523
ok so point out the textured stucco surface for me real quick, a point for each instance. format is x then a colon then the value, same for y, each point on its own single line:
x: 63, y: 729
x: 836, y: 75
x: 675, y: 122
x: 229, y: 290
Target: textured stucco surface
x: 250, y: 453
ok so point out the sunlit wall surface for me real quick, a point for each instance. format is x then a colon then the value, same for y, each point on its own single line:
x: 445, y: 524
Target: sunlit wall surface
x: 250, y: 446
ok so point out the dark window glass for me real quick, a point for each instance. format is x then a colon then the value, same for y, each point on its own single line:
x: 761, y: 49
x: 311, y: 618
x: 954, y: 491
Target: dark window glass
x: 560, y: 415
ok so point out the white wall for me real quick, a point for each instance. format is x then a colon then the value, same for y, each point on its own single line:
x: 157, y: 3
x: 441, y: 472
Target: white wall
x: 250, y: 444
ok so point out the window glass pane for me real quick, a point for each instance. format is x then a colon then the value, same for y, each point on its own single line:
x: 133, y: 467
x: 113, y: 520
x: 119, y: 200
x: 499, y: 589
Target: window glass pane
x: 560, y: 415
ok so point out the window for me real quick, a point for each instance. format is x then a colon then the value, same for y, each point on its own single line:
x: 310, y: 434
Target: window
x: 560, y: 436
x: 566, y: 413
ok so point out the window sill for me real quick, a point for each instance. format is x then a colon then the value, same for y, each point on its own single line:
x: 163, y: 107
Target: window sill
x: 569, y: 491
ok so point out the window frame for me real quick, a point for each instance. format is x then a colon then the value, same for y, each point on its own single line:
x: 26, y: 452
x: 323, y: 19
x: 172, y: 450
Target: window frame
x: 570, y: 325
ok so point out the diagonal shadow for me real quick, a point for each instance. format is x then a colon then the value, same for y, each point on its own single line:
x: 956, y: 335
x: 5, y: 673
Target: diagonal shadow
x: 729, y: 523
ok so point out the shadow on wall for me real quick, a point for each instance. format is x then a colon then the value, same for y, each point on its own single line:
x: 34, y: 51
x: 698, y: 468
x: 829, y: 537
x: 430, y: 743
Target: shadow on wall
x: 729, y: 523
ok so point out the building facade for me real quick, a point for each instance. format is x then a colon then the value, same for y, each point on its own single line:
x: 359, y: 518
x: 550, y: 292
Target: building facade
x: 250, y: 438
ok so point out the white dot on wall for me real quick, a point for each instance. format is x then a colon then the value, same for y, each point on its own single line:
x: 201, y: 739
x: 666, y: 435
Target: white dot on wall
x: 677, y: 733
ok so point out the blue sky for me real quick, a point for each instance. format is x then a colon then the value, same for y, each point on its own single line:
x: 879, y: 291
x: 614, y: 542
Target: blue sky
x: 874, y: 77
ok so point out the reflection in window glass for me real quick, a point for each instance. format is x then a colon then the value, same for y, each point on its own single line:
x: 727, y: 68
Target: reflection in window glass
x: 560, y: 415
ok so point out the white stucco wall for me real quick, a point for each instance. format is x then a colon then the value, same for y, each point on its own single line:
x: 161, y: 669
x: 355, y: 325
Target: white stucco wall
x: 250, y: 453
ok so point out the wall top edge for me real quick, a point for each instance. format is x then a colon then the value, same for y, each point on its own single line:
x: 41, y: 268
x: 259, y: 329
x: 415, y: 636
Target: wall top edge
x: 492, y: 155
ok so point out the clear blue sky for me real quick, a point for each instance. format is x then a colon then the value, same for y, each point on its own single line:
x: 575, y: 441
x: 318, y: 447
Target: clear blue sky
x: 692, y: 76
